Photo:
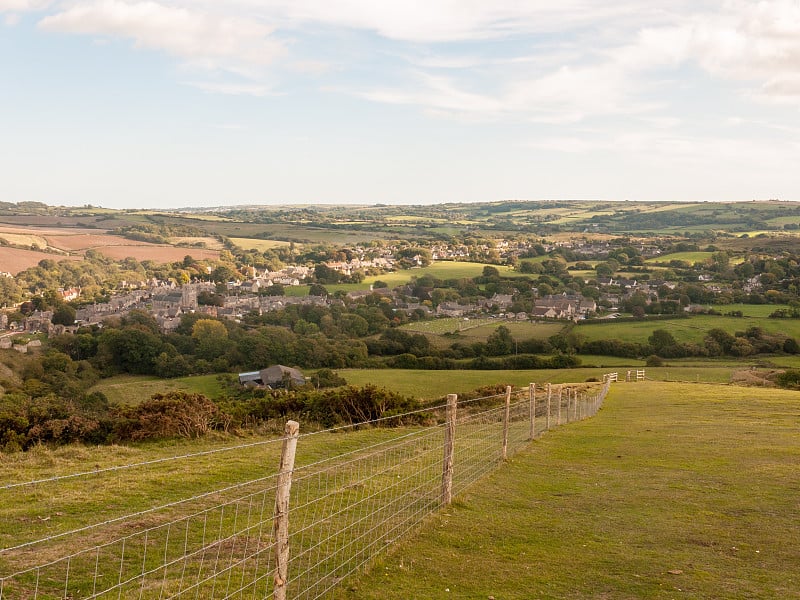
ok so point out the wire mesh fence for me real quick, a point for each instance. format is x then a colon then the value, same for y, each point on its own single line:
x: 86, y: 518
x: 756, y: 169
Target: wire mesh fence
x: 295, y: 531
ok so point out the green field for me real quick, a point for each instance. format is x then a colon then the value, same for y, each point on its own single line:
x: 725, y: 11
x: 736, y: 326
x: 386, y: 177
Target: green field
x: 522, y: 330
x: 133, y: 389
x: 750, y: 310
x: 439, y: 270
x: 672, y: 491
x: 692, y: 329
x: 690, y: 257
x: 481, y: 328
x: 436, y: 384
x: 256, y: 244
x: 427, y: 385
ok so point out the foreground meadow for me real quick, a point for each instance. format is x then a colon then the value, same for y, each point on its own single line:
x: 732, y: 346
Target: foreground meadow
x: 673, y: 490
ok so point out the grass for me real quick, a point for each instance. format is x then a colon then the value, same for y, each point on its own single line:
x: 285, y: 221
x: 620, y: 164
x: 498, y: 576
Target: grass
x: 673, y: 490
x: 523, y: 330
x: 692, y: 329
x: 430, y: 385
x: 133, y: 389
x: 260, y: 245
x: 750, y: 310
x: 439, y: 270
x: 447, y: 325
x: 690, y: 257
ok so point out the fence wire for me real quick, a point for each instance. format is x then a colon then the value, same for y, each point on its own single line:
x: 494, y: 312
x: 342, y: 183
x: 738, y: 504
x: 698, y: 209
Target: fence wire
x: 220, y: 542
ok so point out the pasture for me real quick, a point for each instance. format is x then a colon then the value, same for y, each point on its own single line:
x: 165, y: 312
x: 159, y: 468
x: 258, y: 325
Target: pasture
x: 672, y: 490
x: 428, y: 385
x: 692, y: 329
x: 256, y: 244
x: 448, y: 325
x: 439, y: 269
x: 520, y: 330
x: 134, y: 389
x: 689, y: 257
x: 750, y: 310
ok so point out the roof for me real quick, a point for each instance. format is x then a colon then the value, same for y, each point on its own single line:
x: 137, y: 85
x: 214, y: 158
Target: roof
x: 273, y: 375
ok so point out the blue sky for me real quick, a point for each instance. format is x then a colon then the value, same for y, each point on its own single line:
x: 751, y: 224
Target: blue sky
x: 173, y: 103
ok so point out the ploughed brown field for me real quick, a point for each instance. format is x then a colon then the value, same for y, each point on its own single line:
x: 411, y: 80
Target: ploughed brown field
x: 14, y: 260
x: 74, y: 242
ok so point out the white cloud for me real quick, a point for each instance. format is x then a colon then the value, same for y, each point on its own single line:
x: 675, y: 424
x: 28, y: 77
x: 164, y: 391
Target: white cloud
x: 432, y: 21
x: 18, y: 6
x: 202, y: 38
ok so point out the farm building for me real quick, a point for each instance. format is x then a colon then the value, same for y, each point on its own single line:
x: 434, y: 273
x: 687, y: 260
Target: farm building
x: 276, y: 376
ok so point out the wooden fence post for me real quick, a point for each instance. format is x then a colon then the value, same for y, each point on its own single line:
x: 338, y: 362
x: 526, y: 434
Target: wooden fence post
x: 532, y: 398
x: 506, y: 419
x: 549, y: 394
x: 560, y: 389
x: 575, y: 405
x: 281, y: 525
x: 569, y: 404
x: 449, y: 445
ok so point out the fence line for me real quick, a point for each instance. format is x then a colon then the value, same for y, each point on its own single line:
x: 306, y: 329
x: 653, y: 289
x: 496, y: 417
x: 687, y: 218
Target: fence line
x: 292, y: 532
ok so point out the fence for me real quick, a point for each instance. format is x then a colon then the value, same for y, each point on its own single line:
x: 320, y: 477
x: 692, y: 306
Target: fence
x: 295, y: 532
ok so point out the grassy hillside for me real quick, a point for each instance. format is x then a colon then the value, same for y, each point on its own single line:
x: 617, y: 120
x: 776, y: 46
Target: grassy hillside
x: 673, y: 490
x: 693, y: 329
x: 435, y: 384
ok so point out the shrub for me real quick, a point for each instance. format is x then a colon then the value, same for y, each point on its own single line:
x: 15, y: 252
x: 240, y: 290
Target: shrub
x: 175, y: 414
x: 654, y: 361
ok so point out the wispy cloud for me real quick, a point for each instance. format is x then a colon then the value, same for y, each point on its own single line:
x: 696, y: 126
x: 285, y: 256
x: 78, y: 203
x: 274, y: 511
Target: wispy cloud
x: 232, y: 89
x: 201, y: 38
x: 18, y: 6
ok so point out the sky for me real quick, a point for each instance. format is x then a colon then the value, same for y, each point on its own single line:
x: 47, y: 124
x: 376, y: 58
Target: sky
x: 190, y: 103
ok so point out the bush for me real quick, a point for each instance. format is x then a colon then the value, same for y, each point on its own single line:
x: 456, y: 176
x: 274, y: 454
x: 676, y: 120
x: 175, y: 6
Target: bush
x: 654, y: 361
x: 175, y: 414
x: 789, y: 379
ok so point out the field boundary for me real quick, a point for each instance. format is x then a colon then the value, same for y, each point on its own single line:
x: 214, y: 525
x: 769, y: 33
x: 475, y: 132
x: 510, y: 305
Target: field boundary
x: 297, y: 531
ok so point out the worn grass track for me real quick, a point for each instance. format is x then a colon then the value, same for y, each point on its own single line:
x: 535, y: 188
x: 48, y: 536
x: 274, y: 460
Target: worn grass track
x: 673, y: 490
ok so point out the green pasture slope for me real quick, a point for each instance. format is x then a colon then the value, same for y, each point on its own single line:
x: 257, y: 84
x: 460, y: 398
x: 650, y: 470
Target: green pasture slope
x: 691, y: 329
x: 429, y: 385
x: 133, y: 389
x: 672, y: 491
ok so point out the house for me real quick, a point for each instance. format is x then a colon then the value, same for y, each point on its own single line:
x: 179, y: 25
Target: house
x: 276, y: 376
x: 544, y: 312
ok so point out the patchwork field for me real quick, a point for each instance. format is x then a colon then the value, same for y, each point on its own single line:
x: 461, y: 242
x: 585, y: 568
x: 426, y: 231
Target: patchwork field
x: 74, y: 242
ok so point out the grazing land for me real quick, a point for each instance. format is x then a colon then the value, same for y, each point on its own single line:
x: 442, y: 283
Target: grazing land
x: 159, y: 254
x: 673, y: 490
x: 692, y: 329
x: 436, y: 384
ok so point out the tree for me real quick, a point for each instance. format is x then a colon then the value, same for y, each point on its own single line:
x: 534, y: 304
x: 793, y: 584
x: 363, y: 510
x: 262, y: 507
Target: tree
x: 317, y: 289
x: 500, y: 342
x: 223, y: 274
x: 661, y: 339
x: 211, y: 338
x: 133, y: 349
x: 64, y: 315
x: 324, y: 274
